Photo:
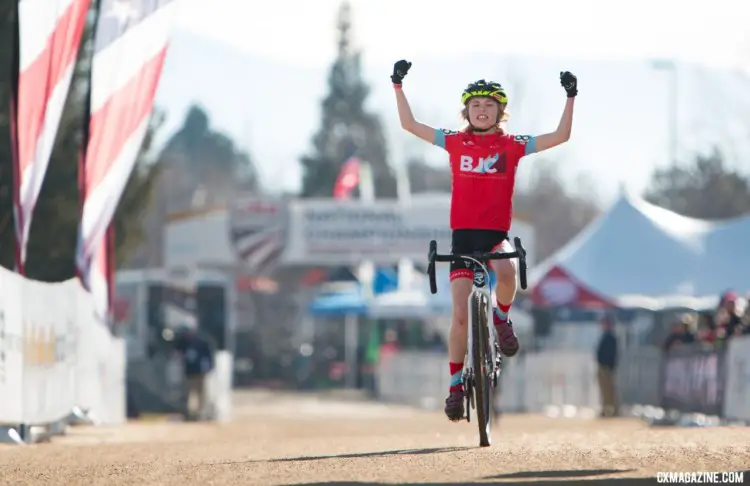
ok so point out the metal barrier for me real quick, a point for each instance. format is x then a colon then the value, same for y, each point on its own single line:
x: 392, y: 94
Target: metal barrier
x: 687, y: 380
x: 693, y: 379
x: 414, y: 378
x: 512, y: 387
x: 638, y: 375
x: 560, y: 378
x: 530, y: 382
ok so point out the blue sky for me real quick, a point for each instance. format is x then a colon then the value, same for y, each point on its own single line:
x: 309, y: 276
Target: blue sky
x: 262, y: 71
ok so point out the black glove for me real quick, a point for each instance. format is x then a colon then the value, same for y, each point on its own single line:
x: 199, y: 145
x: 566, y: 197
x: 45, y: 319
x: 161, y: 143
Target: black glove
x: 399, y: 71
x: 570, y: 83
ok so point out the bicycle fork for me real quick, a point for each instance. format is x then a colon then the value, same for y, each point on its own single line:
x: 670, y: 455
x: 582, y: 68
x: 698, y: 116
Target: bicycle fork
x: 468, y: 374
x: 494, y: 340
x: 468, y: 364
x: 495, y: 359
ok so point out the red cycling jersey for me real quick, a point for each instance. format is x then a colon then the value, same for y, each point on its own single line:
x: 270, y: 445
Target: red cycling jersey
x: 483, y: 173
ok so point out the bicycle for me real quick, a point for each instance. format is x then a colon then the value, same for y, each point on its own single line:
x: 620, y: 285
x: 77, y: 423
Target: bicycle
x: 482, y: 341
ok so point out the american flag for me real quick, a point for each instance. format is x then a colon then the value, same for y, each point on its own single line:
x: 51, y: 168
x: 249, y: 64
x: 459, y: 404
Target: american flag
x: 47, y: 41
x: 130, y: 46
x: 348, y: 178
x: 258, y: 232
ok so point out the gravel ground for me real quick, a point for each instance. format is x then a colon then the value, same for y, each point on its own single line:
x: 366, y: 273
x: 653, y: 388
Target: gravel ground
x: 278, y: 439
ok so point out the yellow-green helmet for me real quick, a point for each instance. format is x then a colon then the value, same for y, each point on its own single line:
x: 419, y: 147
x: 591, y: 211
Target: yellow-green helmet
x: 484, y: 89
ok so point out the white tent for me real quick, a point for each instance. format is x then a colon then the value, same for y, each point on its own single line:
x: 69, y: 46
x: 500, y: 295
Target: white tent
x: 641, y: 255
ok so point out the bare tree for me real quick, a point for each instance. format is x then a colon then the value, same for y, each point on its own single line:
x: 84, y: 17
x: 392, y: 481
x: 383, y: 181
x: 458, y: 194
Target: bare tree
x: 705, y: 189
x: 557, y: 213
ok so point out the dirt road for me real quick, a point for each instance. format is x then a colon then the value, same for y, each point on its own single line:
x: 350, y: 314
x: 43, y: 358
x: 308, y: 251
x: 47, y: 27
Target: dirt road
x: 285, y: 439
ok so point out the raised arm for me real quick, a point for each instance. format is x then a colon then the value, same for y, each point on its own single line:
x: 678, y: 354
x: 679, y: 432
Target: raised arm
x: 562, y: 134
x: 405, y: 116
x: 408, y: 122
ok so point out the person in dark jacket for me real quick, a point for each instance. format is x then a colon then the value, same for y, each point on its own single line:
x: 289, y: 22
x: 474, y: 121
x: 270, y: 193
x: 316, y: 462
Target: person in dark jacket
x: 606, y: 357
x: 198, y: 362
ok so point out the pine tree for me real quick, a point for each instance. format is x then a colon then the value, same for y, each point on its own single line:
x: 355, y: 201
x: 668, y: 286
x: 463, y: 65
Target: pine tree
x: 205, y: 160
x: 346, y: 123
x: 198, y: 167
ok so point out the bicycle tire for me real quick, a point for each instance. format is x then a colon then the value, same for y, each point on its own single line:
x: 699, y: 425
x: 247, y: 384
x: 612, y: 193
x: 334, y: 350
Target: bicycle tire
x: 481, y: 378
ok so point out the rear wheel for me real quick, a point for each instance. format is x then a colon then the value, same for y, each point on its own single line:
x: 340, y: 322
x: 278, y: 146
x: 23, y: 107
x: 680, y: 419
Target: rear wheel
x: 480, y: 355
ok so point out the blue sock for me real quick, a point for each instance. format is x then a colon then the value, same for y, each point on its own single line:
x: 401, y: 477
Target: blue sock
x: 457, y: 382
x: 456, y: 379
x: 502, y: 316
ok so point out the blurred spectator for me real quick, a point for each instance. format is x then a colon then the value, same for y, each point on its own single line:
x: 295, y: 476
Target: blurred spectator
x: 706, y: 332
x: 606, y: 357
x: 713, y: 329
x: 728, y: 317
x: 198, y: 361
x: 683, y: 332
x: 390, y: 345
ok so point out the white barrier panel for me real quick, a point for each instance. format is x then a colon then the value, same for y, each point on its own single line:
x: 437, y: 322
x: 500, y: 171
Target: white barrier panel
x: 737, y: 387
x: 529, y: 382
x: 48, y: 315
x: 512, y: 384
x: 55, y: 354
x: 413, y: 377
x: 560, y: 377
x: 219, y: 386
x: 422, y: 379
x: 114, y: 411
x: 11, y: 349
x: 100, y: 364
x: 88, y: 340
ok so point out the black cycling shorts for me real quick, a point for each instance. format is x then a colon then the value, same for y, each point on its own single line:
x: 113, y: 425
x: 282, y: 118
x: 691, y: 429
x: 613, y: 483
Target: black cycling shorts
x: 468, y: 241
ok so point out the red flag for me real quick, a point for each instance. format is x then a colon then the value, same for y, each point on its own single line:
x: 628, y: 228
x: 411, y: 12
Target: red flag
x: 47, y: 40
x: 347, y: 180
x: 130, y: 45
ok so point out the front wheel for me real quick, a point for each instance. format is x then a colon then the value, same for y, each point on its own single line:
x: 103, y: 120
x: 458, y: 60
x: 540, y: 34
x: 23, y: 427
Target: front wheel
x: 481, y: 356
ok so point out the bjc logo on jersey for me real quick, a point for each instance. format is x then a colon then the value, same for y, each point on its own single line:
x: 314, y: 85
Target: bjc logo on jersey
x: 485, y: 165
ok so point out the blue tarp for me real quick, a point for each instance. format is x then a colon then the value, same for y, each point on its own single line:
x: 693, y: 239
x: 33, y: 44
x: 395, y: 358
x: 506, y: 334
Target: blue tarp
x: 347, y: 302
x: 386, y: 280
x: 351, y: 301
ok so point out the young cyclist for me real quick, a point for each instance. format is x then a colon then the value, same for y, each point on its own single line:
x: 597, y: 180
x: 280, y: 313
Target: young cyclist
x: 483, y: 162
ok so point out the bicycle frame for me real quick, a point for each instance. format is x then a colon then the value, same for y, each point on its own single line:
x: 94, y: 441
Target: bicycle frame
x: 482, y: 286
